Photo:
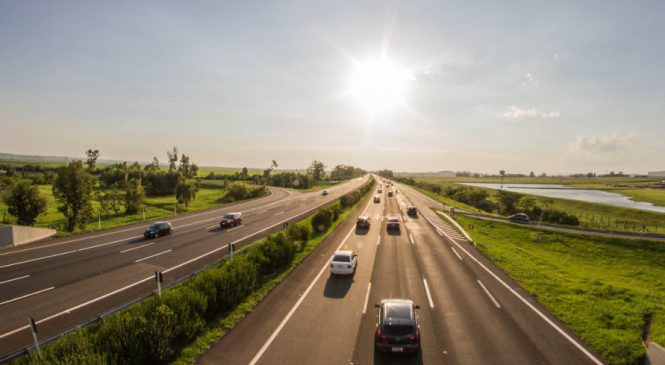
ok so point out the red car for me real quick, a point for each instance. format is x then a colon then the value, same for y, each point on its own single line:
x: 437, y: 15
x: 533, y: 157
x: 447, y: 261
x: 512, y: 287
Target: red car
x: 231, y: 220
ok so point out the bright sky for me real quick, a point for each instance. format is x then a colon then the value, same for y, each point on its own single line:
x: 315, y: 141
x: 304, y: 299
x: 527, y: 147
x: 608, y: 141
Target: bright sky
x: 554, y: 86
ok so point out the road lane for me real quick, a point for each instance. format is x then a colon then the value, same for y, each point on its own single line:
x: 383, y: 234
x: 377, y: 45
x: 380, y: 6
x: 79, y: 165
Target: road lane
x: 90, y: 275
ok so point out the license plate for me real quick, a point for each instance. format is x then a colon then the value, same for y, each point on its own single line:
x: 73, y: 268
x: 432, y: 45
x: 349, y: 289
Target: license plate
x: 398, y: 349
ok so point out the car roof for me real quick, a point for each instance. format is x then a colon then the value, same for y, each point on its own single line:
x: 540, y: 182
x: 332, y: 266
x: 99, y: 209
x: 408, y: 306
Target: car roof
x: 159, y: 222
x: 344, y: 252
x: 363, y: 217
x: 233, y: 213
x: 398, y: 311
x: 393, y: 217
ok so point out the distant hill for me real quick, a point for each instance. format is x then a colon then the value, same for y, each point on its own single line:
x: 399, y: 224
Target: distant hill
x: 431, y: 174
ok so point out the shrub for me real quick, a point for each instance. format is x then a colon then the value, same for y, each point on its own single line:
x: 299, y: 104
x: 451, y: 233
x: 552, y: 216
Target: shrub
x: 322, y: 220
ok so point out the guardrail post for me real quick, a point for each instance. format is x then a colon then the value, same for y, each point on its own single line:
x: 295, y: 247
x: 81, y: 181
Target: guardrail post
x: 232, y: 248
x: 159, y: 278
x: 33, y: 329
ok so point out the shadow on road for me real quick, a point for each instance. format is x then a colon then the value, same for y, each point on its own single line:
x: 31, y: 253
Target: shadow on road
x: 337, y: 286
x: 138, y: 240
x: 390, y: 358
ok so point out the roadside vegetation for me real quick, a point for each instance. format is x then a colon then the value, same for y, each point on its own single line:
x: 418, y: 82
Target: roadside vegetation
x: 83, y: 196
x: 601, y: 287
x: 191, y: 316
x: 551, y: 210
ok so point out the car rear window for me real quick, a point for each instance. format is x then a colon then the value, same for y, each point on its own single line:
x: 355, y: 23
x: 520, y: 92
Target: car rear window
x: 342, y: 258
x: 229, y: 216
x: 398, y: 311
x: 397, y: 330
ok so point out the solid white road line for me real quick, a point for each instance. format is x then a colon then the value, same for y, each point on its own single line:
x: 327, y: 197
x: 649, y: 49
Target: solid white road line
x: 429, y: 296
x: 27, y: 295
x: 457, y: 254
x: 278, y: 213
x: 151, y: 256
x: 136, y: 248
x: 300, y: 300
x: 369, y: 287
x: 439, y: 231
x: 523, y: 300
x: 411, y: 239
x: 14, y: 279
x: 378, y: 240
x: 489, y: 294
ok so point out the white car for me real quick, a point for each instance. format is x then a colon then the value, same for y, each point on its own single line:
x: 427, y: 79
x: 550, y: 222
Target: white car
x: 377, y: 198
x: 344, y: 263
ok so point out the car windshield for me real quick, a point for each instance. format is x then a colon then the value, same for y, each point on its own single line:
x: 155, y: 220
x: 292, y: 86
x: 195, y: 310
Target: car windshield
x: 229, y: 216
x: 399, y: 311
x: 154, y: 226
x: 342, y: 258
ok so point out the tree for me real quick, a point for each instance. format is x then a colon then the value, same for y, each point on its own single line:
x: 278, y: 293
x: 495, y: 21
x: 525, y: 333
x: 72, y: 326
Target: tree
x: 184, y: 165
x: 173, y: 158
x: 316, y: 169
x: 72, y: 189
x: 93, y: 155
x: 266, y: 172
x: 134, y: 196
x: 244, y: 174
x: 25, y: 203
x: 185, y: 192
x: 532, y: 174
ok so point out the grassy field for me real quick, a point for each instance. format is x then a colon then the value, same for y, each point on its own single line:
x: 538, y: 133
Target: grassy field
x: 609, y: 181
x: 591, y: 215
x: 600, y: 287
x: 208, y: 196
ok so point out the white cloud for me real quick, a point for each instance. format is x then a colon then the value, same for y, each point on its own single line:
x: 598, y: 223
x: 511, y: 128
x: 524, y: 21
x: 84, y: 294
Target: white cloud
x: 530, y: 80
x: 515, y: 112
x: 601, y: 144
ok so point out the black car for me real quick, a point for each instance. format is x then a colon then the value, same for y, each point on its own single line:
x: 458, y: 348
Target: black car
x: 397, y: 330
x: 157, y: 229
x: 412, y: 211
x: 519, y: 218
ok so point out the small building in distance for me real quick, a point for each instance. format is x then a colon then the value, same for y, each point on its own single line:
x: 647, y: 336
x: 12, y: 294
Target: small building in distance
x: 656, y: 174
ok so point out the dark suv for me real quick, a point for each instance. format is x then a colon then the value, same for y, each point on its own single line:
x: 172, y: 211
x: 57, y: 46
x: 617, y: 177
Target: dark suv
x: 412, y: 210
x: 230, y: 220
x: 157, y: 229
x: 363, y: 222
x: 519, y: 218
x: 397, y: 330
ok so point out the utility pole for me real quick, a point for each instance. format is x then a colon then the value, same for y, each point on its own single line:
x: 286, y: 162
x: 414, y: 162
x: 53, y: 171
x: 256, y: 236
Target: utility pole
x: 502, y: 172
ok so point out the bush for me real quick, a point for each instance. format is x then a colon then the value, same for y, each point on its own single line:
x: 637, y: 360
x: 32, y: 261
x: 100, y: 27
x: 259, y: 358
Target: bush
x: 322, y: 220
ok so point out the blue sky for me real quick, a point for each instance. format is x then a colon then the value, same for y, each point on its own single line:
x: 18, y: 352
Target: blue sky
x: 559, y: 87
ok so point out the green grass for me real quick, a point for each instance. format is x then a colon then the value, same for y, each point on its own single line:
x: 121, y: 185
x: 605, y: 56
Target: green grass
x: 547, y: 180
x: 220, y: 326
x: 601, y: 287
x: 207, y: 197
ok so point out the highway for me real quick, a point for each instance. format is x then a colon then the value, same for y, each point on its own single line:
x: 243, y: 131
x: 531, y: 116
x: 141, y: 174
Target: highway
x: 64, y: 282
x: 470, y: 312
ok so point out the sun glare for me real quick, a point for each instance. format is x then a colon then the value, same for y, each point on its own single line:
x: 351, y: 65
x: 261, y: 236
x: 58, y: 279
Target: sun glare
x: 379, y: 84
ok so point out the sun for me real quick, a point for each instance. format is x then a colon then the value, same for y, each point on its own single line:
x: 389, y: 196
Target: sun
x: 379, y: 84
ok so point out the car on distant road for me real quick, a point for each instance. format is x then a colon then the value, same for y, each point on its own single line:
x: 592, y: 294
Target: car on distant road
x: 390, y: 193
x: 363, y: 222
x: 379, y: 191
x: 325, y: 192
x: 398, y: 329
x: 393, y: 223
x: 519, y: 218
x: 377, y: 198
x: 157, y: 229
x: 344, y: 263
x: 230, y: 220
x: 412, y: 210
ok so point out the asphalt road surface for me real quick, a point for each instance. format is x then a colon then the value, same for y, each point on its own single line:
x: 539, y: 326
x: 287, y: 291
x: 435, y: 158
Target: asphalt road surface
x: 470, y: 312
x: 64, y: 282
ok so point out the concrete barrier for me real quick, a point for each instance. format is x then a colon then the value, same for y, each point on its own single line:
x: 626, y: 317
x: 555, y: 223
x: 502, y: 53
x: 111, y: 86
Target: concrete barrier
x: 656, y: 354
x: 21, y: 235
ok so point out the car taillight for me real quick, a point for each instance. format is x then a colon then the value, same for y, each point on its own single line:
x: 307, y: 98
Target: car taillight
x: 380, y: 336
x: 332, y: 265
x: 348, y: 266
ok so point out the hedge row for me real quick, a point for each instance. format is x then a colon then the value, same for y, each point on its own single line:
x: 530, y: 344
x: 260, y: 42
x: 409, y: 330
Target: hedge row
x: 155, y: 330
